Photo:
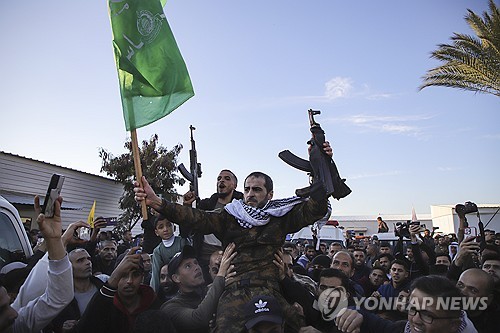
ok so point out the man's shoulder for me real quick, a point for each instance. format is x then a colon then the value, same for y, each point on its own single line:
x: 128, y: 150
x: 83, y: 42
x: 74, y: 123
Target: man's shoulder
x: 237, y: 195
x: 385, y: 287
x: 208, y: 203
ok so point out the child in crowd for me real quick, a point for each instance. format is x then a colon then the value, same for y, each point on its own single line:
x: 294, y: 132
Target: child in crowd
x: 169, y: 246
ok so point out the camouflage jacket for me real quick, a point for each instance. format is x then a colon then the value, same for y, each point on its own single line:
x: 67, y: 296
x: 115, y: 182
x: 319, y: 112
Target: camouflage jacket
x: 255, y: 246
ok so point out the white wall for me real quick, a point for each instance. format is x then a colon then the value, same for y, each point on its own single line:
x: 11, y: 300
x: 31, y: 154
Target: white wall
x: 446, y: 218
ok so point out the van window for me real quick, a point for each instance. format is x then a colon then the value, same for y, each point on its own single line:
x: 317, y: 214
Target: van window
x: 10, y: 244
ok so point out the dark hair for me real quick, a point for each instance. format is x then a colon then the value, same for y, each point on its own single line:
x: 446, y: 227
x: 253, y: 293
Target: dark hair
x: 360, y: 249
x: 290, y: 244
x: 401, y: 262
x: 268, y: 182
x: 442, y: 254
x: 380, y: 268
x: 235, y: 178
x: 491, y: 247
x: 160, y: 217
x: 310, y: 247
x: 333, y: 272
x: 490, y: 256
x: 385, y: 244
x: 436, y: 286
x: 389, y: 256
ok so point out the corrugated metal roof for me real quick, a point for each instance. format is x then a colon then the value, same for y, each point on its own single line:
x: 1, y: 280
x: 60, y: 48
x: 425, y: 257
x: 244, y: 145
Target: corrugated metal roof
x: 59, y: 166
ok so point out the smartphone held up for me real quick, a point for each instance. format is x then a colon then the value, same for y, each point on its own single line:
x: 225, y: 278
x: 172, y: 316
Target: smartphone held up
x: 53, y: 192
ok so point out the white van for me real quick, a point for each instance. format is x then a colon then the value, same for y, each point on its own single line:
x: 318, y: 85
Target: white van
x: 328, y: 234
x: 14, y: 242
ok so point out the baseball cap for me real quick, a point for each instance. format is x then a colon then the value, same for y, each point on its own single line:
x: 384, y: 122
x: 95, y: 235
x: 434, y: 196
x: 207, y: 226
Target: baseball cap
x: 174, y: 263
x: 262, y: 308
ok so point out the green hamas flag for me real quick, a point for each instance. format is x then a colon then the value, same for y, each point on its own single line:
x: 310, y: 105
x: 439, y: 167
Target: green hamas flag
x: 153, y: 77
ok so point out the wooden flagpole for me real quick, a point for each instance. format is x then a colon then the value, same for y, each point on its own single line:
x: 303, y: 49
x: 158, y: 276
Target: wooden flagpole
x: 138, y: 169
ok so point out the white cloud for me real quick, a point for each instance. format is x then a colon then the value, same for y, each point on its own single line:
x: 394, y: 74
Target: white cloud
x: 492, y: 136
x: 388, y: 124
x: 373, y: 175
x: 448, y: 169
x: 338, y: 87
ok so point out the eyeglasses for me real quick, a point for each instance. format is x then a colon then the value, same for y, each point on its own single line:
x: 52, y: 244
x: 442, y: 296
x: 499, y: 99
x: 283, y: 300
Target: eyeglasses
x: 425, y: 316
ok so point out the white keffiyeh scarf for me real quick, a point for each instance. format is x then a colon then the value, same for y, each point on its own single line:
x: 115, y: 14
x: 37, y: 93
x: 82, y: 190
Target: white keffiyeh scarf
x: 248, y: 216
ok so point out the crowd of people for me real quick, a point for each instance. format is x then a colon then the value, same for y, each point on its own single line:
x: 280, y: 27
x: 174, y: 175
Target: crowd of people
x: 229, y: 269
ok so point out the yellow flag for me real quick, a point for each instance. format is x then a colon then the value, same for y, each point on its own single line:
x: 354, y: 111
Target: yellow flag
x: 90, y: 219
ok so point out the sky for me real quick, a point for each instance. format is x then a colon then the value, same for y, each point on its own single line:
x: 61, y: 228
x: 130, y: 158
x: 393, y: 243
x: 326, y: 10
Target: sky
x: 257, y: 67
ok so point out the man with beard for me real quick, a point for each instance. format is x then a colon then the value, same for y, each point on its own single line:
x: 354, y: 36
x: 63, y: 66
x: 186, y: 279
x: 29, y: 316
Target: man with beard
x: 168, y: 289
x: 442, y: 265
x: 491, y: 265
x: 306, y: 259
x: 399, y: 280
x: 258, y: 226
x: 376, y: 278
x: 104, y: 262
x: 193, y: 307
x: 384, y: 260
x: 478, y: 286
x: 360, y: 269
x: 205, y: 245
x: 313, y: 305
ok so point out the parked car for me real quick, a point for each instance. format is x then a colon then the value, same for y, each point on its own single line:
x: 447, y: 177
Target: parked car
x: 14, y: 242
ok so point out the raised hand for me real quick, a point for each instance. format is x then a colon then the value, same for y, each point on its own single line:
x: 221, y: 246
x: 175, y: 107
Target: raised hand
x: 68, y: 236
x: 51, y: 229
x: 226, y: 270
x: 189, y: 198
x: 278, y: 262
x: 131, y: 261
x: 146, y: 193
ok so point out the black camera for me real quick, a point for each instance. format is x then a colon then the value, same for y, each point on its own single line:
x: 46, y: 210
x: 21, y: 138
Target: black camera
x: 467, y: 208
x: 401, y: 229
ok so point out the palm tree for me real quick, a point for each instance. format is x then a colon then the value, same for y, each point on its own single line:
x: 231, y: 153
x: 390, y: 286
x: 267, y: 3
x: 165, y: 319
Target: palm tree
x: 470, y: 63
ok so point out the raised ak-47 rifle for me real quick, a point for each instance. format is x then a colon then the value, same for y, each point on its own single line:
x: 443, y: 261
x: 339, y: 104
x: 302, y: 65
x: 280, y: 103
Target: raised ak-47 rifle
x: 320, y: 166
x: 195, y: 167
